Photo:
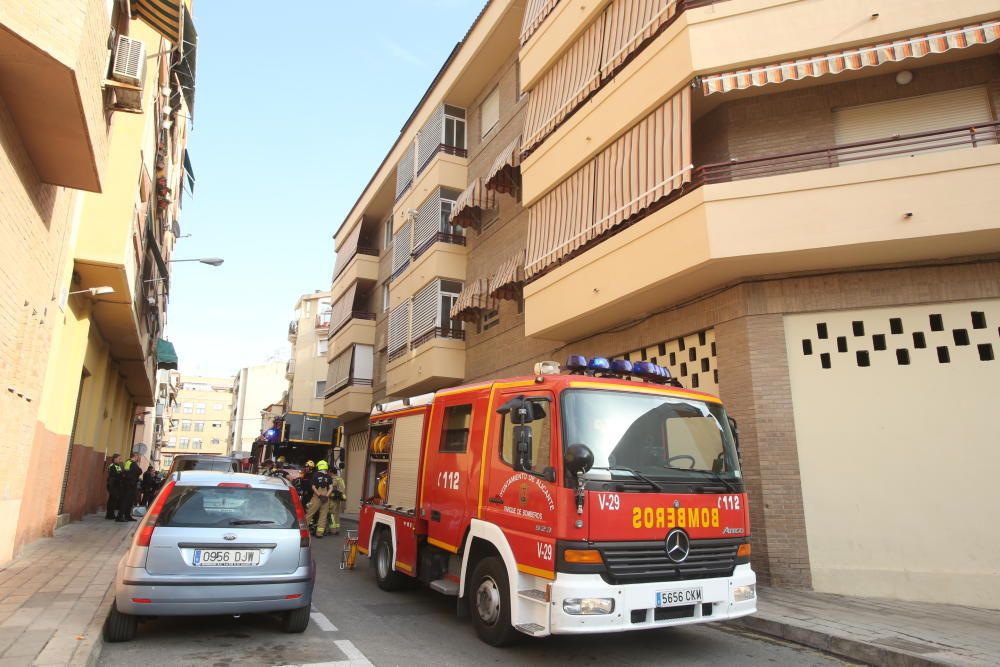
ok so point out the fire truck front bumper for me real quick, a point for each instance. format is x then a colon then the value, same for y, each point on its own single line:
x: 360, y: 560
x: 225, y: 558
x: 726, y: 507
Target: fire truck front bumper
x: 585, y: 603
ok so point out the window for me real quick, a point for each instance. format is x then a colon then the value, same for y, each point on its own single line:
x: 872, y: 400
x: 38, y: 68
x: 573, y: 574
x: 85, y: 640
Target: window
x: 489, y: 112
x: 387, y: 236
x: 455, y: 431
x: 541, y: 433
x: 186, y: 425
x: 196, y: 443
x: 172, y: 442
x: 385, y: 298
x: 446, y: 226
x: 184, y: 443
x: 490, y: 319
x: 450, y: 290
x: 217, y: 407
x: 320, y: 389
x: 322, y: 345
x: 454, y: 127
x: 216, y: 441
x: 187, y: 408
x: 199, y: 408
x: 199, y: 427
x: 216, y: 424
x: 214, y: 507
x: 167, y: 460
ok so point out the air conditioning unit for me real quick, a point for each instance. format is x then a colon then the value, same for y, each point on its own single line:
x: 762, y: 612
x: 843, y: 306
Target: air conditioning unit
x: 129, y: 65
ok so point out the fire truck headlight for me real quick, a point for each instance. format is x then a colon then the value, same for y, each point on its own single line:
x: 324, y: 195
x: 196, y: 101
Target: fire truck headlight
x: 744, y: 593
x: 588, y: 606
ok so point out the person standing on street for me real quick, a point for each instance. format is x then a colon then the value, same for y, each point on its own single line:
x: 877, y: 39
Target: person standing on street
x: 148, y: 486
x: 114, y: 486
x: 322, y: 486
x: 130, y: 486
x: 338, y: 494
x: 303, y: 483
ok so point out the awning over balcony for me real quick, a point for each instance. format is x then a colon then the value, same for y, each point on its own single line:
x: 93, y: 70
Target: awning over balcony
x: 507, y: 282
x: 504, y: 175
x: 341, y: 311
x: 534, y: 15
x: 647, y: 163
x: 164, y: 16
x: 189, y: 171
x: 349, y: 249
x: 469, y: 207
x: 166, y: 355
x: 184, y: 68
x: 857, y: 58
x: 473, y: 299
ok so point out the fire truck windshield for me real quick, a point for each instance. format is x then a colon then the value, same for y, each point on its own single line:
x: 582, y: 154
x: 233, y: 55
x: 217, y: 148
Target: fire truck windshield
x: 660, y: 437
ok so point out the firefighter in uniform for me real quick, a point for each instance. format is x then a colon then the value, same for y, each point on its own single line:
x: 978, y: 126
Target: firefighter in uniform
x: 303, y: 483
x: 338, y: 494
x: 322, y: 487
x: 114, y: 486
x: 131, y: 472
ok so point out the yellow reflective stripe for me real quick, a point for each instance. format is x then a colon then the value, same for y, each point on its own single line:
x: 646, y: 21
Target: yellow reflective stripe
x: 403, y: 566
x: 646, y: 390
x: 443, y: 545
x: 527, y: 569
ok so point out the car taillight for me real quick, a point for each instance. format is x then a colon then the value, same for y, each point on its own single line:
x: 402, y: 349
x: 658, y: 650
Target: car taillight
x: 145, y: 532
x: 300, y: 514
x: 233, y: 485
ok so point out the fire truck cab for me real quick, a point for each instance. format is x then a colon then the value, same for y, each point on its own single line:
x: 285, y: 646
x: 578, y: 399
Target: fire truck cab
x: 605, y: 500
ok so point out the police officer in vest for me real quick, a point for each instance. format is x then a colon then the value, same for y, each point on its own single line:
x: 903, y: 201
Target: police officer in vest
x: 114, y: 486
x: 131, y: 472
x: 322, y: 487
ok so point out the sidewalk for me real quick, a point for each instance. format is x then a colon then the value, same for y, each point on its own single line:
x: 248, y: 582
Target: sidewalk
x: 55, y: 596
x: 879, y: 632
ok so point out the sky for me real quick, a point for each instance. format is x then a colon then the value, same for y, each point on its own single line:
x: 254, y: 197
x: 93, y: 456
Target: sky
x: 295, y: 108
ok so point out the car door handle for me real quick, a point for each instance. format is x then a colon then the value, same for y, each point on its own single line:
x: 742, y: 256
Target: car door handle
x: 497, y: 499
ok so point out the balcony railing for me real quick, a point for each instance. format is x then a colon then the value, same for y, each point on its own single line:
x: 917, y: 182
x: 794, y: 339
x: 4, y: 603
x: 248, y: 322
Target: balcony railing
x: 397, y: 353
x: 355, y: 315
x: 440, y: 237
x: 323, y: 320
x: 442, y: 148
x: 436, y: 332
x: 293, y: 330
x: 971, y: 136
x: 349, y: 382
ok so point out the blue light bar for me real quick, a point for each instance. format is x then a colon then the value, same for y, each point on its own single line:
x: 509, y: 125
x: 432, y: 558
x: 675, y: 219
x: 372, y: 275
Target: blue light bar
x: 576, y: 362
x: 599, y: 364
x: 622, y: 366
x: 643, y: 369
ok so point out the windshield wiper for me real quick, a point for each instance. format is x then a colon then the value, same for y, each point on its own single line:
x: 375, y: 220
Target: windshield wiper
x: 635, y: 473
x: 719, y: 478
x: 248, y: 522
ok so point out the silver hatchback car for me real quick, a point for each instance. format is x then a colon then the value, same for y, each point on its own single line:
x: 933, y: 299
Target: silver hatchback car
x: 217, y: 543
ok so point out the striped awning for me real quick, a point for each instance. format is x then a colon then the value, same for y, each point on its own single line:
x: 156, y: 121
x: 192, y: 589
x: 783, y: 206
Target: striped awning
x: 504, y: 175
x: 349, y: 249
x: 507, y: 282
x: 342, y: 310
x: 164, y: 16
x: 534, y: 15
x: 644, y: 165
x: 853, y: 59
x: 472, y: 300
x: 629, y: 23
x: 469, y: 205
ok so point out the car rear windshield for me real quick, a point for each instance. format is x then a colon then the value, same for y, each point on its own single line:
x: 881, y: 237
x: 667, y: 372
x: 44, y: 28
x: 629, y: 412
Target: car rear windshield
x: 213, y: 507
x: 216, y: 465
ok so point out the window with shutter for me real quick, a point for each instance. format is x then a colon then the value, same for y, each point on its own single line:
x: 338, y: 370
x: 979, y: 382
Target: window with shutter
x: 489, y: 112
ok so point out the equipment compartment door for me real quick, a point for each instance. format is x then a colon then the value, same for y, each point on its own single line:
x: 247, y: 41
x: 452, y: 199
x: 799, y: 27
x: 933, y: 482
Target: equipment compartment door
x: 451, y: 453
x: 523, y: 502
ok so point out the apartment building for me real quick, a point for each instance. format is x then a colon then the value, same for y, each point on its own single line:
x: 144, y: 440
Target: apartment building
x: 306, y: 368
x: 94, y: 103
x: 199, y: 421
x: 789, y: 204
x: 255, y: 389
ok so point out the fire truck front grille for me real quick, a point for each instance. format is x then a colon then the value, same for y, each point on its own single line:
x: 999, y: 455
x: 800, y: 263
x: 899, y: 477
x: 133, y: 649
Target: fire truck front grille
x: 641, y: 562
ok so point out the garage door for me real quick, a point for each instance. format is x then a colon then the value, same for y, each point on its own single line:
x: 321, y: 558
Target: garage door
x: 924, y: 113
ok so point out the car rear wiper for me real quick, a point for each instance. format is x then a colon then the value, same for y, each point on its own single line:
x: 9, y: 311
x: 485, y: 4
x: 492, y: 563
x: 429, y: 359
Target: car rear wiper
x: 635, y: 473
x: 248, y: 522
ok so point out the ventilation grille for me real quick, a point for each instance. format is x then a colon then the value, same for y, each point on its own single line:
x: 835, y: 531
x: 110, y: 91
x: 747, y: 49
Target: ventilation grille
x: 129, y: 65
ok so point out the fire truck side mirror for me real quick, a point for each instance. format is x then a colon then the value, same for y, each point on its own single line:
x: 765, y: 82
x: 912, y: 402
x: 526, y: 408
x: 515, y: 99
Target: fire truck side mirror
x: 522, y: 443
x: 578, y: 459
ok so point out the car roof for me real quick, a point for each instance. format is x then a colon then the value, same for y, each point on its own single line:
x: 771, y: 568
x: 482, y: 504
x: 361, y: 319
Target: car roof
x: 203, y: 456
x: 214, y: 478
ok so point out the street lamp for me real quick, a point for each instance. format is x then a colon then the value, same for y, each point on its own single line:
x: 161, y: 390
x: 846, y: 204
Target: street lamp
x: 211, y: 261
x: 94, y: 291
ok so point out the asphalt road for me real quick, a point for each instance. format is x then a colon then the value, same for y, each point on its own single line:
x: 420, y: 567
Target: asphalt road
x: 356, y: 623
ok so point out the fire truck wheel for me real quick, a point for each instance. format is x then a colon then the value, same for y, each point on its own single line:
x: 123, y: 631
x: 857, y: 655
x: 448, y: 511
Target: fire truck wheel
x: 386, y: 577
x: 489, y: 602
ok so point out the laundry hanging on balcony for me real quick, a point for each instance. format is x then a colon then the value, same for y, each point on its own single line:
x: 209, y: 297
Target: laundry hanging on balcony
x: 473, y: 300
x: 507, y: 281
x: 504, y: 175
x: 469, y: 206
x: 856, y: 58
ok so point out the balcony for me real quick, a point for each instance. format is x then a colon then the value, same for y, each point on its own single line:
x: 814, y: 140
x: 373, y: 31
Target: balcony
x: 290, y: 369
x: 917, y: 197
x: 349, y: 382
x: 444, y: 255
x: 350, y: 400
x: 360, y: 270
x: 293, y: 331
x: 432, y: 360
x: 444, y: 169
x: 323, y: 323
x: 359, y: 329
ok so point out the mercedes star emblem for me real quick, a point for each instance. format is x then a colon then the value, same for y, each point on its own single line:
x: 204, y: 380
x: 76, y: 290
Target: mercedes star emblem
x: 678, y: 545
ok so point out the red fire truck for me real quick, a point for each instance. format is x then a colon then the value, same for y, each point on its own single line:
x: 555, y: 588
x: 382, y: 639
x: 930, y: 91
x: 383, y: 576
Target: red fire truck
x: 603, y: 500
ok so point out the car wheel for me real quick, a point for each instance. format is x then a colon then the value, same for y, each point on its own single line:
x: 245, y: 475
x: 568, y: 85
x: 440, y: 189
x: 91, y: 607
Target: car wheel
x: 489, y: 602
x: 385, y: 574
x: 119, y: 627
x: 296, y: 620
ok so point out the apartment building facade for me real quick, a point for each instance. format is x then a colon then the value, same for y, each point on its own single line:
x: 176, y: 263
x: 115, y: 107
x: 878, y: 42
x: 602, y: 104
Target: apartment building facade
x: 787, y: 204
x: 94, y: 102
x: 200, y: 420
x: 255, y: 389
x: 306, y: 368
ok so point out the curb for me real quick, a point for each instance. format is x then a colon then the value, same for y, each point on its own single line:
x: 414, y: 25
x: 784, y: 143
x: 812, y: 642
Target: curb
x: 840, y: 645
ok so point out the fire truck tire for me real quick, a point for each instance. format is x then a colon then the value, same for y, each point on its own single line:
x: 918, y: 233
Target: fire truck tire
x: 385, y: 576
x: 489, y: 602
